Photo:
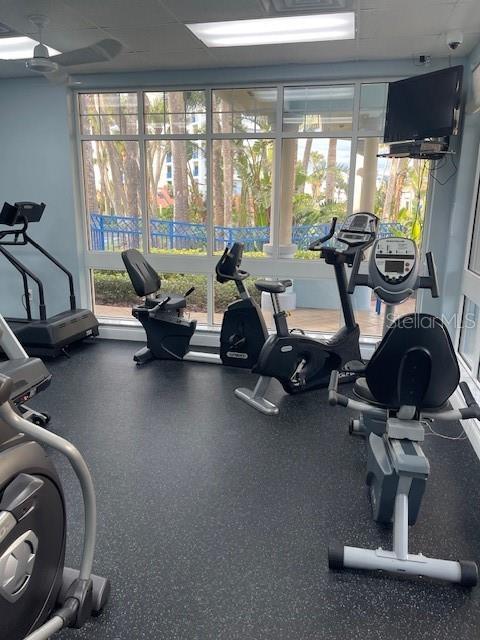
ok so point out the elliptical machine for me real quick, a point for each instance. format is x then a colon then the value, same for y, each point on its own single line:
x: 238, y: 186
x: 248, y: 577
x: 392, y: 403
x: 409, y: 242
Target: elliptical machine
x: 408, y: 380
x: 162, y: 315
x: 301, y: 363
x: 39, y: 596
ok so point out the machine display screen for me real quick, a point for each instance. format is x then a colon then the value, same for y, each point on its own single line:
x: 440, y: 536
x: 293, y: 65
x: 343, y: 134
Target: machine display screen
x: 394, y: 266
x: 359, y: 222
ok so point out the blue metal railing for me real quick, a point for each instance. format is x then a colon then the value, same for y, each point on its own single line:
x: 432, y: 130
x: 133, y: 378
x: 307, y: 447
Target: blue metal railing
x: 116, y: 233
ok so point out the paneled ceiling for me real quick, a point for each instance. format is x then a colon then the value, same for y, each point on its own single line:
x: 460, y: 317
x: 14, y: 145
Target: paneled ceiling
x: 154, y: 35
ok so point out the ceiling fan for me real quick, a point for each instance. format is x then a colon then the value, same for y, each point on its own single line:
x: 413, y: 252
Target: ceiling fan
x: 55, y: 67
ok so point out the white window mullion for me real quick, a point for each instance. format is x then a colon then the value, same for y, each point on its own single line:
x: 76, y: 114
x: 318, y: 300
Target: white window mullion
x: 143, y: 176
x: 353, y: 148
x: 277, y: 176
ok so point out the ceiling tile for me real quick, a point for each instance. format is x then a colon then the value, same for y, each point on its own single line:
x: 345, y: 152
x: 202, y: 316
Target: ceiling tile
x: 214, y: 10
x: 466, y: 16
x: 15, y: 14
x: 172, y: 37
x: 122, y: 13
x: 397, y: 48
x: 404, y: 21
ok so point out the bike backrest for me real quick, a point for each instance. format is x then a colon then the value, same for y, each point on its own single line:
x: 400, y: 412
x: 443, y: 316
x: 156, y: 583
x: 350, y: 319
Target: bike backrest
x: 145, y: 279
x: 415, y: 364
x: 227, y: 266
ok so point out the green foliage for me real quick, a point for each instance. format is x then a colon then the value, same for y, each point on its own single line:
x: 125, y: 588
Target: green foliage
x: 114, y: 288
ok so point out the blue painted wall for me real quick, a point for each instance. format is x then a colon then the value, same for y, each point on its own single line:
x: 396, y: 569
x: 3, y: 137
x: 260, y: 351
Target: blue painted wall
x: 36, y: 164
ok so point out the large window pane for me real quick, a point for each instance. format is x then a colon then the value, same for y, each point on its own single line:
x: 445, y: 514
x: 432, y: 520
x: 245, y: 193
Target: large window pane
x: 474, y: 262
x: 468, y: 331
x: 314, y: 189
x: 112, y: 194
x: 108, y: 113
x: 174, y: 112
x: 324, y: 109
x: 244, y: 110
x: 373, y: 102
x: 395, y: 189
x: 114, y: 296
x: 242, y: 173
x: 176, y: 195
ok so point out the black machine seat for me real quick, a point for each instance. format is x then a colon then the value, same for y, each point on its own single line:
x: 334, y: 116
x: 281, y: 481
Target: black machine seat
x: 169, y: 301
x: 273, y: 286
x: 145, y: 279
x: 414, y: 365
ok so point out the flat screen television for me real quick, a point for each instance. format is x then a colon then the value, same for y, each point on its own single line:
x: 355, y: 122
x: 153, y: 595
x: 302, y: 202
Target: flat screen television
x: 424, y: 106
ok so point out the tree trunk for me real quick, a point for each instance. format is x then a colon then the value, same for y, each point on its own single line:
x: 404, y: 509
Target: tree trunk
x: 401, y: 175
x: 331, y: 170
x: 305, y: 162
x: 89, y: 175
x: 227, y: 154
x: 176, y: 105
x: 218, y: 203
x: 390, y: 192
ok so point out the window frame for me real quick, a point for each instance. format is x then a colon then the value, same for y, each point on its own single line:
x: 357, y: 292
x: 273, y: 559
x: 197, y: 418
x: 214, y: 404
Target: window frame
x: 205, y: 264
x: 470, y: 287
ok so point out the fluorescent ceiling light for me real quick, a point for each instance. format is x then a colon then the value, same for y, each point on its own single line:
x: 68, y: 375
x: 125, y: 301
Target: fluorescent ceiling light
x: 19, y: 48
x: 307, y: 28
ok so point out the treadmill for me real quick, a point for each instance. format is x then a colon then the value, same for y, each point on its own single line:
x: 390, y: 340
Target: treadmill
x: 29, y: 375
x: 44, y: 336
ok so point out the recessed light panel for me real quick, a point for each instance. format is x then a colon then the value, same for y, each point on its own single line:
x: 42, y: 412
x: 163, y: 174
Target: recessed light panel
x: 307, y: 28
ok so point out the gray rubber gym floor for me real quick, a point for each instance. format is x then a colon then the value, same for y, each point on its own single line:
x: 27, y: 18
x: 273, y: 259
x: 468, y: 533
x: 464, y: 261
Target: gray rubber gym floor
x: 214, y: 520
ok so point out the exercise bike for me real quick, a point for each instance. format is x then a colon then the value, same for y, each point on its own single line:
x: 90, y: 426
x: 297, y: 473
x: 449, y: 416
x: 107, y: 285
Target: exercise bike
x: 301, y: 363
x: 169, y: 332
x: 408, y: 381
x: 39, y: 596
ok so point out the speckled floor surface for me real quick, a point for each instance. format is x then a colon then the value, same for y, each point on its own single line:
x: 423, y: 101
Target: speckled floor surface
x: 214, y: 520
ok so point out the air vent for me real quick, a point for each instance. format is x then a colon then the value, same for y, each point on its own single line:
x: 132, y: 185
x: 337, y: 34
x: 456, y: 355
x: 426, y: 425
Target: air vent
x: 280, y: 7
x: 6, y: 31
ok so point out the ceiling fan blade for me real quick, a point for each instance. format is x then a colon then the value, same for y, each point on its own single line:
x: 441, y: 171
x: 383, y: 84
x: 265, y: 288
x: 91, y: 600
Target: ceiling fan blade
x: 57, y: 77
x: 99, y: 52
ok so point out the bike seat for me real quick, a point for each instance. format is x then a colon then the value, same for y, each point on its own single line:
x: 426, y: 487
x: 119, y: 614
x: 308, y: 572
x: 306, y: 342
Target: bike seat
x: 362, y: 391
x: 273, y: 286
x: 175, y: 302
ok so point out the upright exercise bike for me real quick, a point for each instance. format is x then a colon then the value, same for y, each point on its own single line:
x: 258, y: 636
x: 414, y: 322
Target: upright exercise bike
x: 408, y: 380
x: 169, y: 332
x: 38, y: 594
x: 301, y: 363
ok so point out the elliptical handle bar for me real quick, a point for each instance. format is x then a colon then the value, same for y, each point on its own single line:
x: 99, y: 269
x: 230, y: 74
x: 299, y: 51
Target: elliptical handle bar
x: 317, y: 244
x: 356, y: 278
x: 430, y: 281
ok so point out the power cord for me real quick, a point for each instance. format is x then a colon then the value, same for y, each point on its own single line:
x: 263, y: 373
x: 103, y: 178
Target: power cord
x: 461, y: 435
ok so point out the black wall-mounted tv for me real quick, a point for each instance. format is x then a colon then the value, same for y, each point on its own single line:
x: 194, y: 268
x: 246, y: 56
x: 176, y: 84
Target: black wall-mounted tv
x: 424, y: 106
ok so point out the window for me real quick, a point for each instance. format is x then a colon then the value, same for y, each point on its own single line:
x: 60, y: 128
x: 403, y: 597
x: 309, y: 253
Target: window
x: 322, y: 109
x: 174, y: 112
x: 468, y: 331
x: 474, y: 261
x: 176, y: 195
x: 111, y: 171
x: 242, y: 172
x: 180, y: 174
x: 108, y: 113
x: 244, y: 110
x: 395, y: 189
x: 314, y: 189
